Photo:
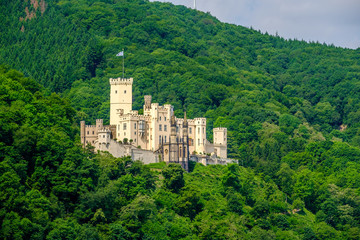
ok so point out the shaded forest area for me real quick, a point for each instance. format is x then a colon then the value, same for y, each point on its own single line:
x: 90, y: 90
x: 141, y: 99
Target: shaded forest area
x: 291, y: 109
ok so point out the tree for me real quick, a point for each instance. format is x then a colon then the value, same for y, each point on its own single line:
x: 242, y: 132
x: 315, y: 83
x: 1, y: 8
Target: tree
x: 173, y: 177
x: 189, y: 203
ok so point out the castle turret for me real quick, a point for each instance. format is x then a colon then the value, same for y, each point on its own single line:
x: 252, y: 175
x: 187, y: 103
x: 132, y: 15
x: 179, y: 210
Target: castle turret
x: 184, y: 154
x: 82, y: 133
x: 120, y: 98
x: 200, y: 135
x: 104, y: 136
x: 220, y: 141
x: 173, y: 156
x: 99, y: 124
x: 147, y: 101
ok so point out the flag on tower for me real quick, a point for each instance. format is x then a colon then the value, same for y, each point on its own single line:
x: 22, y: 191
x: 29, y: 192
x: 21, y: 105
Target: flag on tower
x: 120, y: 54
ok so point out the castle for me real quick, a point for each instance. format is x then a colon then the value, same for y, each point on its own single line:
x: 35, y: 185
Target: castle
x: 156, y: 135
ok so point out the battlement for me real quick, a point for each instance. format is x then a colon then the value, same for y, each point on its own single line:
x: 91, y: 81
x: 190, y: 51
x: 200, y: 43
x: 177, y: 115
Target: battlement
x: 200, y: 121
x: 162, y: 108
x: 121, y: 81
x: 219, y: 129
x: 104, y: 130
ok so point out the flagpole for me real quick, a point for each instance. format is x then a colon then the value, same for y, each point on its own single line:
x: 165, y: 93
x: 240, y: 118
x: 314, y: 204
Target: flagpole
x: 123, y: 63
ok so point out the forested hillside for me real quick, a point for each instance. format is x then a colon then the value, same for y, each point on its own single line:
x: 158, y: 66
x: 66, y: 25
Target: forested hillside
x: 291, y: 109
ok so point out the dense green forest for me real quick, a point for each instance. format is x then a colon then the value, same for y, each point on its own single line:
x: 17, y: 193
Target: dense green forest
x: 291, y: 109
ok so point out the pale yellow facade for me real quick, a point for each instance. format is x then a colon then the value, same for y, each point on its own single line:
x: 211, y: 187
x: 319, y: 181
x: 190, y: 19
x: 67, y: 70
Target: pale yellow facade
x: 152, y: 129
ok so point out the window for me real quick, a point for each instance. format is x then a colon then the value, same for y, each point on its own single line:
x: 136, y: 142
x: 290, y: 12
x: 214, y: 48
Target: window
x: 165, y: 118
x: 159, y: 139
x: 165, y: 139
x: 198, y: 141
x: 88, y: 132
x: 134, y: 125
x: 115, y: 91
x: 118, y: 134
x: 203, y: 130
x: 190, y: 130
x: 124, y: 91
x: 160, y: 118
x: 165, y: 128
x: 124, y: 133
x: 103, y: 136
x: 135, y: 139
x: 135, y: 133
x: 124, y: 126
x: 160, y: 127
x: 93, y: 132
x: 198, y: 130
x: 177, y: 128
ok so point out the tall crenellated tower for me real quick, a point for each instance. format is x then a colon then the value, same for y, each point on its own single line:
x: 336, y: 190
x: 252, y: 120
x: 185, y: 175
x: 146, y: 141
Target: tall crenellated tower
x: 220, y: 141
x: 120, y: 98
x: 82, y: 133
x: 200, y: 135
x: 147, y: 100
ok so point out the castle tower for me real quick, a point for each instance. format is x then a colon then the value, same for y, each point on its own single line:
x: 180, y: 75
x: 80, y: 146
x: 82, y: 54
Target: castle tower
x: 99, y: 124
x: 104, y: 136
x: 147, y: 100
x: 120, y: 98
x: 200, y: 135
x: 82, y: 133
x: 173, y: 156
x: 185, y: 145
x: 220, y: 141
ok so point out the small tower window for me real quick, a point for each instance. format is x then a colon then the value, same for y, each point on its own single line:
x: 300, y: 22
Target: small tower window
x: 190, y: 130
x: 165, y: 128
x: 160, y: 127
x: 115, y: 91
x: 134, y: 125
x: 124, y: 126
x: 124, y: 91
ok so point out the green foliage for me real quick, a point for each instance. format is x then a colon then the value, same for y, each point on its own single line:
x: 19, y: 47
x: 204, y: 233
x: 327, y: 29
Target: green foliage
x: 290, y: 107
x: 173, y: 177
